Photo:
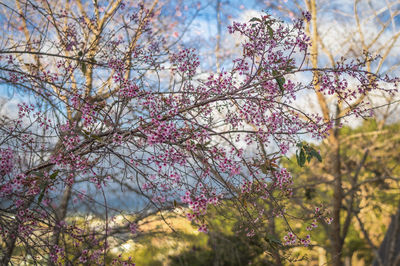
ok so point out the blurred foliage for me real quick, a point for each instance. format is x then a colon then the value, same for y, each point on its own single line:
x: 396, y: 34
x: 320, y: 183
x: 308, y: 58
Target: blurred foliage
x: 375, y: 189
x: 222, y: 245
x: 226, y: 245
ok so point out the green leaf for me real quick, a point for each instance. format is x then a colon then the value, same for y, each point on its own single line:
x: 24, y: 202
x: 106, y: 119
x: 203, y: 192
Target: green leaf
x: 264, y: 168
x: 83, y: 67
x: 80, y: 53
x: 39, y: 174
x: 306, y: 153
x: 311, y: 152
x: 308, y: 157
x: 299, y: 145
x: 255, y: 19
x: 54, y: 175
x: 270, y: 31
x: 41, y: 197
x: 289, y: 68
x: 203, y: 146
x: 319, y: 157
x: 273, y: 242
x: 316, y: 154
x: 280, y: 80
x: 302, y: 157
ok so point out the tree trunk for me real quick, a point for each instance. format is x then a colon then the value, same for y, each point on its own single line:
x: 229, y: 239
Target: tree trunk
x: 389, y: 250
x: 337, y: 243
x: 60, y: 215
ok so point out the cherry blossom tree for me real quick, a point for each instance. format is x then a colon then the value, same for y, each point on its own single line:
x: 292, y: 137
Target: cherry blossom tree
x: 105, y: 99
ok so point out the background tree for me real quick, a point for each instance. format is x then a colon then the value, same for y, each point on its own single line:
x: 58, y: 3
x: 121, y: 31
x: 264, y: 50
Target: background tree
x: 370, y: 181
x: 346, y: 28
